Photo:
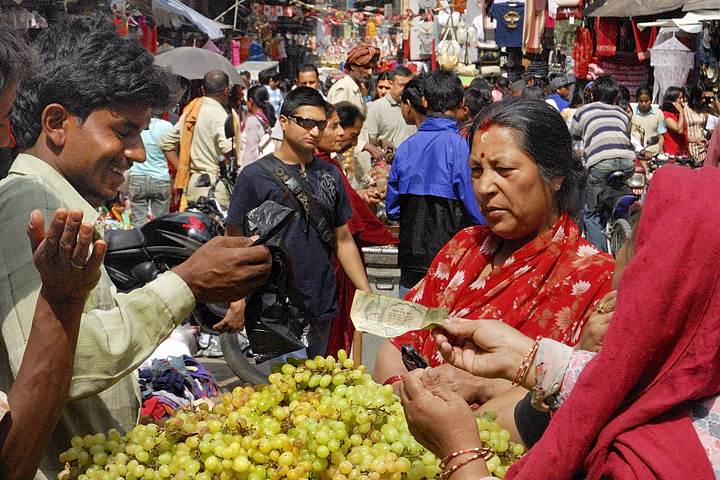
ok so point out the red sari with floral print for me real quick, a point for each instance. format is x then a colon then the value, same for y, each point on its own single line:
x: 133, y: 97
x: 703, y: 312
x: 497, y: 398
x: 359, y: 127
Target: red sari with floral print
x: 547, y: 288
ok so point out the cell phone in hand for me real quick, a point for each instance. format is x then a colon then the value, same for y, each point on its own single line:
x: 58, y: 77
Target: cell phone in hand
x: 411, y: 358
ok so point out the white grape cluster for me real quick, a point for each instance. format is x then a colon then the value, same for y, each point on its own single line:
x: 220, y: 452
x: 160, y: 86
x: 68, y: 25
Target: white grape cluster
x: 320, y: 418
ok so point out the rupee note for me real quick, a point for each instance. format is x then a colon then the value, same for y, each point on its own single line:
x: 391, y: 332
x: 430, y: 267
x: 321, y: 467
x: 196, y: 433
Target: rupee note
x: 390, y: 317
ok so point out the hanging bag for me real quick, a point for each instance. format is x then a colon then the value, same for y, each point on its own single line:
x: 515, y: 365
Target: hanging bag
x: 468, y: 68
x: 448, y: 49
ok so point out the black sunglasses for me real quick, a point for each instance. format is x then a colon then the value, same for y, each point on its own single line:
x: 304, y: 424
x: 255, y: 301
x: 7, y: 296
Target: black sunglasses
x: 308, y: 123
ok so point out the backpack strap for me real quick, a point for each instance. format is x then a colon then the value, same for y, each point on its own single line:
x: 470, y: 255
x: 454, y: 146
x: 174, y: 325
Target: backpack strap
x: 304, y: 203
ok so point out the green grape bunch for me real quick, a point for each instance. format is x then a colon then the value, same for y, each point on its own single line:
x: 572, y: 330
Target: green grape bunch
x: 320, y: 419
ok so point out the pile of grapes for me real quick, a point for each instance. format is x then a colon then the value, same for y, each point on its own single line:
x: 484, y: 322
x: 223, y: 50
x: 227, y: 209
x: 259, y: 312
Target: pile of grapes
x: 320, y: 419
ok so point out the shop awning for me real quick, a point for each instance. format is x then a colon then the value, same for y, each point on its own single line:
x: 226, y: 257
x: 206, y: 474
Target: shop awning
x: 691, y: 22
x: 631, y: 8
x: 166, y: 12
x: 693, y: 5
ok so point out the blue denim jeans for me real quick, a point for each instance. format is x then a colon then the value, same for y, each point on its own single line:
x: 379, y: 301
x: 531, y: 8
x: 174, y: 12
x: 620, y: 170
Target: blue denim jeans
x: 148, y: 191
x: 597, y: 179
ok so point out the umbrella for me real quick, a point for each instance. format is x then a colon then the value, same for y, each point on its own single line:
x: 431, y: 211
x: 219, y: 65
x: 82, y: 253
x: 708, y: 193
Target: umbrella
x: 193, y: 63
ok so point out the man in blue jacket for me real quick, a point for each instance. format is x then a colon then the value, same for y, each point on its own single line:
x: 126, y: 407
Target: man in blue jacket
x: 429, y: 189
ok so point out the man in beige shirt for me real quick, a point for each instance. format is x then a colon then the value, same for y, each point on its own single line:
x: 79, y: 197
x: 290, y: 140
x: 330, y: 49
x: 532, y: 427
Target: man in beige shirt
x: 385, y: 124
x: 80, y: 131
x: 208, y: 139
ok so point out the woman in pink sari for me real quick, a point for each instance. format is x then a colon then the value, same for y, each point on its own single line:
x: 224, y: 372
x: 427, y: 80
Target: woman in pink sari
x: 528, y: 267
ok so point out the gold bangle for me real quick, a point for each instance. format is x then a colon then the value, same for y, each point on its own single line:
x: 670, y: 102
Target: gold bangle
x: 486, y: 452
x: 446, y: 474
x: 525, y: 365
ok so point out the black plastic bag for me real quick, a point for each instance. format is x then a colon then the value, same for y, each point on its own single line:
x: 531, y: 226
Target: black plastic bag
x: 276, y: 319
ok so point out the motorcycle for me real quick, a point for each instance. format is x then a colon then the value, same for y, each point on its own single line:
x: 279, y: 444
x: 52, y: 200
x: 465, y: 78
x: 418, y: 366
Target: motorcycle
x: 137, y: 256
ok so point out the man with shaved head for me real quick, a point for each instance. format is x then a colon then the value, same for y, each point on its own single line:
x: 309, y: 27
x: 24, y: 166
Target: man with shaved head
x: 200, y: 132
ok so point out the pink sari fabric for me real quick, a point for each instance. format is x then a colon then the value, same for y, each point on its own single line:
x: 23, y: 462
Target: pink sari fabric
x: 548, y: 288
x: 624, y: 418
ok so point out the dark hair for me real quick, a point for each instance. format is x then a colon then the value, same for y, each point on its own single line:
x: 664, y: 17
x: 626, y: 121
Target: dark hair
x: 477, y: 100
x: 301, y: 97
x: 308, y: 67
x: 643, y: 91
x: 349, y: 114
x: 215, y: 82
x: 413, y: 93
x: 671, y: 95
x: 100, y: 70
x: 245, y: 73
x: 533, y: 92
x: 577, y: 97
x: 695, y: 99
x: 265, y: 76
x: 399, y: 72
x: 261, y: 98
x: 57, y: 42
x: 624, y: 94
x: 443, y: 91
x: 542, y: 134
x: 15, y: 56
x: 502, y: 83
x: 605, y: 90
x: 481, y: 84
x: 372, y: 84
x: 329, y: 110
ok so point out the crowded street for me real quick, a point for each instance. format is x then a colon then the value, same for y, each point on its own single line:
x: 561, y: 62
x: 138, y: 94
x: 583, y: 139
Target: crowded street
x: 359, y: 240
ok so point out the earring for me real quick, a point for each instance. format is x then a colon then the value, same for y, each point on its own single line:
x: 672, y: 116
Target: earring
x: 557, y: 186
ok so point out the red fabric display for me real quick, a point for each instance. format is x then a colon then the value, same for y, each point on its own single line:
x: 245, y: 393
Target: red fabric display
x: 582, y: 52
x: 644, y: 40
x: 624, y: 418
x: 606, y: 31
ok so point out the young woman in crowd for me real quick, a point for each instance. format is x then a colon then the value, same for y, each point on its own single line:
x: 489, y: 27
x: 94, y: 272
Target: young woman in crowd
x: 255, y: 130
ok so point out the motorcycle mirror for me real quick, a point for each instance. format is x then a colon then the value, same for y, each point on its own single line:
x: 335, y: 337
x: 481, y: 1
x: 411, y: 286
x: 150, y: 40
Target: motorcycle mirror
x: 229, y: 126
x: 652, y: 141
x: 145, y: 272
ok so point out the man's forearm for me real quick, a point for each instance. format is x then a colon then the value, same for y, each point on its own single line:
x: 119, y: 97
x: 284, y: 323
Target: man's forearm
x: 349, y: 258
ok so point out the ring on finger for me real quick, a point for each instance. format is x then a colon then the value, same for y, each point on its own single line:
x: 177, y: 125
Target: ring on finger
x: 601, y: 309
x: 74, y: 265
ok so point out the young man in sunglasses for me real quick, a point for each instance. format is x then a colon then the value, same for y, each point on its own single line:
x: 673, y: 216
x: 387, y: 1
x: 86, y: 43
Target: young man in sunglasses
x: 303, y: 118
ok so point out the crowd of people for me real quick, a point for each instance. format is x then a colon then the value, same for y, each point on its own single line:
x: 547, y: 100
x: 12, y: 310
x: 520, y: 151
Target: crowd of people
x: 485, y: 183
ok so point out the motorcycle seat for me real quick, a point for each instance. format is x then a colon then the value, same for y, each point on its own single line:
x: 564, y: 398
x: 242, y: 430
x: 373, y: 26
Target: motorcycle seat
x: 120, y: 240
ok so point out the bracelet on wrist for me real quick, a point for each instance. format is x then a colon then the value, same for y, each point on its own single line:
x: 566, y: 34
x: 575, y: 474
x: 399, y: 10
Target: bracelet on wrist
x: 525, y: 365
x: 486, y: 452
x: 446, y: 474
x: 393, y: 379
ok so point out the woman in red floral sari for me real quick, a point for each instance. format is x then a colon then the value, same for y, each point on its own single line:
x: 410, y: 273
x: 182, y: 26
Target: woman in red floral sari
x: 528, y: 267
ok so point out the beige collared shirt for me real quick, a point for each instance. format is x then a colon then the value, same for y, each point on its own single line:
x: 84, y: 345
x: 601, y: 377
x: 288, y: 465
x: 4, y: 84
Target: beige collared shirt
x: 346, y: 90
x: 208, y: 140
x: 385, y: 120
x: 118, y: 331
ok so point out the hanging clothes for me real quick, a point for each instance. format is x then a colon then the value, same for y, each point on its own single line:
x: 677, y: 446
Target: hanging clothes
x: 606, y: 31
x: 533, y: 25
x: 510, y: 18
x: 675, y: 61
x: 582, y: 52
x: 643, y: 40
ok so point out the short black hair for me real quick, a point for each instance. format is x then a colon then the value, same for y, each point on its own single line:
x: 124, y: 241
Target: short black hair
x: 643, y: 91
x: 265, y: 76
x: 400, y: 72
x: 308, y: 67
x: 349, y: 114
x: 606, y: 90
x: 301, y: 97
x: 215, y: 82
x: 15, y: 56
x: 542, y: 134
x: 413, y: 93
x: 502, y: 82
x: 443, y: 91
x: 99, y: 69
x: 245, y: 73
x: 476, y: 100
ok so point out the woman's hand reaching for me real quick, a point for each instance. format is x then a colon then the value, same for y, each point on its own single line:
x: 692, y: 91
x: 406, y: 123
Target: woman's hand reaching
x: 437, y: 417
x: 486, y: 348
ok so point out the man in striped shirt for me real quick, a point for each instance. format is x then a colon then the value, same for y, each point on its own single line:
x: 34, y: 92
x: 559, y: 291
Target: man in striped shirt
x: 603, y: 127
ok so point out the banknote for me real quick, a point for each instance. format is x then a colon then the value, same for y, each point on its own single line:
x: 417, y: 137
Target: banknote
x: 390, y: 317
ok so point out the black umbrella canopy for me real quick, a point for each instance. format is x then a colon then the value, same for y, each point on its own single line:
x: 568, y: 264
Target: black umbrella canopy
x: 193, y: 63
